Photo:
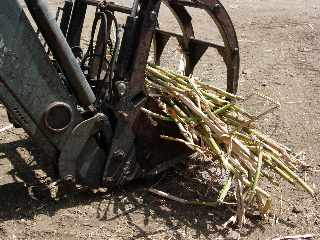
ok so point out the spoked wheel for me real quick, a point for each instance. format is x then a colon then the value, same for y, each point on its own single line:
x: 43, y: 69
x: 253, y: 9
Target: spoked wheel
x: 193, y: 49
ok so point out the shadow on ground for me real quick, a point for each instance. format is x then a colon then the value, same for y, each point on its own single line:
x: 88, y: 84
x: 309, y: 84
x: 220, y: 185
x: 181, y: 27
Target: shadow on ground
x: 125, y: 203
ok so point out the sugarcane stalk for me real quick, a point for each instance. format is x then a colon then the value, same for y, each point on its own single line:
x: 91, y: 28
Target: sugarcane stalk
x: 279, y: 147
x: 191, y: 145
x: 223, y: 109
x: 181, y: 200
x: 293, y: 175
x: 258, y: 189
x: 204, y: 114
x: 226, y: 187
x: 214, y: 147
x: 258, y: 171
x: 170, y: 76
x: 167, y: 86
x: 220, y: 91
x: 268, y: 161
x: 236, y: 164
x: 215, y: 99
x: 156, y: 115
x: 199, y: 113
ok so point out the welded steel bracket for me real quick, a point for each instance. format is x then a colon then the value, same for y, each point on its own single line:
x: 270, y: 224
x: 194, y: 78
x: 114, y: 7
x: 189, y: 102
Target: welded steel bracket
x: 81, y: 143
x: 29, y: 83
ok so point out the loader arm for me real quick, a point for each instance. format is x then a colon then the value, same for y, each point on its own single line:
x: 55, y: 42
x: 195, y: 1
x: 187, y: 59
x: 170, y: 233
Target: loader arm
x: 81, y: 106
x: 41, y: 99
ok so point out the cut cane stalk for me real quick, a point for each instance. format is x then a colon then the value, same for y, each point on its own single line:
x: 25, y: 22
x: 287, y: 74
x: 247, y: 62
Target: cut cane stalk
x: 213, y: 125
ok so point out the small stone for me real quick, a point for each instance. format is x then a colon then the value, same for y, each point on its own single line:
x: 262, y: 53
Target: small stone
x: 297, y: 210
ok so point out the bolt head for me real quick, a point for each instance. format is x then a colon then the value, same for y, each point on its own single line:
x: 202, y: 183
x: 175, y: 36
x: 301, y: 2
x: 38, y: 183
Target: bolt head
x: 153, y: 15
x: 119, y: 154
x: 216, y: 7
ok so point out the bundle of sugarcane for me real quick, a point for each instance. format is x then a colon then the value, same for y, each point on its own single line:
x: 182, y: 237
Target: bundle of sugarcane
x: 212, y: 123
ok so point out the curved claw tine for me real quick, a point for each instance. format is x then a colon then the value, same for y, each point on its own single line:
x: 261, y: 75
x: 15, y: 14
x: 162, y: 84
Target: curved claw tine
x: 185, y: 22
x: 193, y: 49
x: 231, y: 54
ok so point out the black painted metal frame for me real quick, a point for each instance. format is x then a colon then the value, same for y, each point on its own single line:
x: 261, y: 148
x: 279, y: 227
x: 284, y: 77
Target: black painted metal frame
x: 131, y: 151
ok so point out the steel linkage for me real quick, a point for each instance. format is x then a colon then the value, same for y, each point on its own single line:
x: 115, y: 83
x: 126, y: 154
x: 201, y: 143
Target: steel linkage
x: 89, y: 112
x: 115, y: 63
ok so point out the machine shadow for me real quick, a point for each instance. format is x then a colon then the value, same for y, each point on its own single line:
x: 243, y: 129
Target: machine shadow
x: 177, y: 217
x: 131, y: 203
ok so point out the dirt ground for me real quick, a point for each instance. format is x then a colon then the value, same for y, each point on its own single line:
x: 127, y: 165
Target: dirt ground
x: 280, y: 57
